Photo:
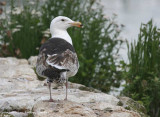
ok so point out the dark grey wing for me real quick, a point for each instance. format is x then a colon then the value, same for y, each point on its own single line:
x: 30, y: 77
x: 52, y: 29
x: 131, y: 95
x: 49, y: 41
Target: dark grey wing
x: 56, y: 56
x: 66, y: 60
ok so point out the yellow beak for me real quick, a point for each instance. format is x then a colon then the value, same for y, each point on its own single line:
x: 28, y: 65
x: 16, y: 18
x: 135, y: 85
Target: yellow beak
x: 77, y: 24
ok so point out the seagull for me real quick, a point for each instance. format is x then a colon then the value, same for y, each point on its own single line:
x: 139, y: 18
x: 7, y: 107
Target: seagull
x: 57, y: 59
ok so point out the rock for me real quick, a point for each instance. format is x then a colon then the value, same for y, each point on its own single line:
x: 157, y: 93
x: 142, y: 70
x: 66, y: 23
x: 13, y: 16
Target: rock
x: 32, y: 61
x: 130, y: 104
x: 62, y: 109
x: 23, y: 95
x: 11, y: 68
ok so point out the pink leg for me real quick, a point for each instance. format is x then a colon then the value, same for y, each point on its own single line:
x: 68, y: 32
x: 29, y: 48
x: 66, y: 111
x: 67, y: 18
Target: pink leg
x: 49, y: 85
x: 66, y: 88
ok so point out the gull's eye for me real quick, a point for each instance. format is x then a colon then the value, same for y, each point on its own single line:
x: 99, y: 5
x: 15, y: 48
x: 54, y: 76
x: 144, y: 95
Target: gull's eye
x: 62, y: 20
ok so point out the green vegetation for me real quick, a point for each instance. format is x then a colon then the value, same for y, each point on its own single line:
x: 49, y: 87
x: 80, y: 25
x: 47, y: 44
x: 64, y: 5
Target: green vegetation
x: 20, y: 30
x: 95, y: 44
x: 143, y: 72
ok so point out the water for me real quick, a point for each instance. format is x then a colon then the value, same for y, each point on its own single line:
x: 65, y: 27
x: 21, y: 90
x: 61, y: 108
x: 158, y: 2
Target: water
x: 132, y: 13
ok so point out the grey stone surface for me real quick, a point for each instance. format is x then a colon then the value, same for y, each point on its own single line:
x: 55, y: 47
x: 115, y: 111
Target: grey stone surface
x: 22, y: 95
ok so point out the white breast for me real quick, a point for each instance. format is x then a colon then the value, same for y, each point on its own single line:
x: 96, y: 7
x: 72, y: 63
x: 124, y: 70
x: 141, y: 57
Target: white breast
x: 62, y: 34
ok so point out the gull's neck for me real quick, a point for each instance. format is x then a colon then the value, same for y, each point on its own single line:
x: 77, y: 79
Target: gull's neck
x: 61, y: 34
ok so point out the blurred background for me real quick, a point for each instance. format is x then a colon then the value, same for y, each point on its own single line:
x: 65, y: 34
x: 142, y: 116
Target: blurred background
x: 118, y: 47
x: 132, y: 13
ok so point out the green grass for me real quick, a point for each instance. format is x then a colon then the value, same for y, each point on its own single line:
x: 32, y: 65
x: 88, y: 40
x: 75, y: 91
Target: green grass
x: 21, y: 31
x: 143, y: 71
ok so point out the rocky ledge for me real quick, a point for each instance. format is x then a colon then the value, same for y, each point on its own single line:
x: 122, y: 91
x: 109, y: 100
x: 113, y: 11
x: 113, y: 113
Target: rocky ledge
x: 23, y: 95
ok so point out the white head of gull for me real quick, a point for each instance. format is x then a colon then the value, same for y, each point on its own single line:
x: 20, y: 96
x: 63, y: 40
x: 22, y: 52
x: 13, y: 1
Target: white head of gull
x: 59, y: 25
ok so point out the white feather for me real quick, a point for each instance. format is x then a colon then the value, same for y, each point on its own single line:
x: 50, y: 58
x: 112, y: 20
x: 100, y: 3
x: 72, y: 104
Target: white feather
x: 53, y: 63
x: 59, y: 28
